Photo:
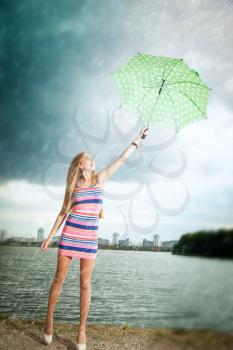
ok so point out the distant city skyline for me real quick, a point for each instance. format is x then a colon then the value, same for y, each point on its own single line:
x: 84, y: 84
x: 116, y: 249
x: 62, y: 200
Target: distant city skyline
x: 116, y: 240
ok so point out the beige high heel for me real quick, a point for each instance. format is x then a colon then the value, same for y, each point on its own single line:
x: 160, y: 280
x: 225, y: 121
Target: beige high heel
x: 47, y: 337
x: 79, y: 346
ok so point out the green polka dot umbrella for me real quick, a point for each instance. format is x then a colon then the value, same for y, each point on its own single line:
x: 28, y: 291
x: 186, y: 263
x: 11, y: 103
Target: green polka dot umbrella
x: 161, y: 90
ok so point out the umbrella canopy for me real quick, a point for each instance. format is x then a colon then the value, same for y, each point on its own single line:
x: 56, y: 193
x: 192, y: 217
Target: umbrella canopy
x: 162, y: 90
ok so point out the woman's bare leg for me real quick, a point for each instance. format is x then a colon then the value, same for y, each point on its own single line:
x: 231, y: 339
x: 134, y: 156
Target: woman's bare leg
x: 63, y: 263
x: 86, y: 268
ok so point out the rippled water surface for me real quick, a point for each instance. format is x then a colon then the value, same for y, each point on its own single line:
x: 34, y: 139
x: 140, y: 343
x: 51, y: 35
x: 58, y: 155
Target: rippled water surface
x: 139, y: 288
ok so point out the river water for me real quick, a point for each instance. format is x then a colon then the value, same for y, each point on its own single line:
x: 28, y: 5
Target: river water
x: 146, y: 289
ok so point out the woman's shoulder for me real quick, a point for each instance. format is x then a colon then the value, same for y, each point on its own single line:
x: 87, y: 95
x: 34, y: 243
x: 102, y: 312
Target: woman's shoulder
x: 100, y: 180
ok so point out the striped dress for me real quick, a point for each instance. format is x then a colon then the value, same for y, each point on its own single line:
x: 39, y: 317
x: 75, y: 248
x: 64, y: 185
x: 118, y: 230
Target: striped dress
x: 79, y: 238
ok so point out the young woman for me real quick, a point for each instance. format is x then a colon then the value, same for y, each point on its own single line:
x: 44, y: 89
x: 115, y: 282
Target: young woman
x: 79, y: 239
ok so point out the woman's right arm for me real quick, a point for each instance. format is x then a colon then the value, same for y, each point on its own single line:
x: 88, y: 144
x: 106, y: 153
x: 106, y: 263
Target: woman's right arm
x: 108, y: 172
x: 58, y: 222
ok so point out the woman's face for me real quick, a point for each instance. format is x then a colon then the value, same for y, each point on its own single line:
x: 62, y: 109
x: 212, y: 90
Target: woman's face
x: 88, y: 162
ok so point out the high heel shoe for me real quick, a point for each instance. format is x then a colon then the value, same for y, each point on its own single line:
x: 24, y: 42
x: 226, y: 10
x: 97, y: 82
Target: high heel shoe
x: 47, y: 338
x: 79, y: 346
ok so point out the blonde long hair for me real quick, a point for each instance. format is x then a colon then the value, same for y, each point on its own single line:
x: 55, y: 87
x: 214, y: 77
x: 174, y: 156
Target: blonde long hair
x: 74, y: 174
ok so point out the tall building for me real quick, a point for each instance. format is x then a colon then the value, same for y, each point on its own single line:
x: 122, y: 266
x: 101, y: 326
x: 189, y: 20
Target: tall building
x: 169, y: 244
x: 146, y: 243
x: 124, y: 242
x: 3, y: 235
x: 105, y: 241
x: 40, y: 234
x: 115, y: 239
x: 156, y: 240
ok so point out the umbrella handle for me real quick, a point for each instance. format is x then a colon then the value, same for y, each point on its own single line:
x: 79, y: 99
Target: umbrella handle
x: 144, y: 135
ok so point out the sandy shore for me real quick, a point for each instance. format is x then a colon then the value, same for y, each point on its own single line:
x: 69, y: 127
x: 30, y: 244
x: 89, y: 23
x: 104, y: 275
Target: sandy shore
x: 26, y: 334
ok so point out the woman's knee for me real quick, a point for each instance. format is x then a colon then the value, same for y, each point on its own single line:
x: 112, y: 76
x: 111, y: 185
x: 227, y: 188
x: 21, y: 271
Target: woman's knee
x: 59, y: 278
x: 85, y: 284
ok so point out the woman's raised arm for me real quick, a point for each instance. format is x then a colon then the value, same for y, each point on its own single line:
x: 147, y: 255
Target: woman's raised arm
x: 108, y: 172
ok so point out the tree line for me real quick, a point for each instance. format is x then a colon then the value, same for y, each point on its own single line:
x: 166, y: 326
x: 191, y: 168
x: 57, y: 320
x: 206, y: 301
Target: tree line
x: 218, y: 244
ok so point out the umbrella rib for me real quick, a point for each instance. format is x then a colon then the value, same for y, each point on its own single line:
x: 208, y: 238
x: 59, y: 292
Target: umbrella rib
x: 153, y: 107
x: 190, y: 99
x: 173, y: 103
x: 186, y: 81
x: 163, y: 74
x: 164, y: 68
x: 172, y: 69
x: 151, y: 86
x: 155, y: 64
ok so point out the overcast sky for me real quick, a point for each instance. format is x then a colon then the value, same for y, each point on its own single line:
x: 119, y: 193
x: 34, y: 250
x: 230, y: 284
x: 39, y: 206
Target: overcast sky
x: 57, y: 98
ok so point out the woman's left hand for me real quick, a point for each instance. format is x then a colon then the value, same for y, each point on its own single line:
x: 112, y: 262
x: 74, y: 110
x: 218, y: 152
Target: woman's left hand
x: 142, y: 133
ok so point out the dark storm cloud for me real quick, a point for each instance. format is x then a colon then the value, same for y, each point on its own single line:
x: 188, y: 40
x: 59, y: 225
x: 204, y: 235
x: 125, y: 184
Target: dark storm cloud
x: 52, y: 52
x: 31, y: 59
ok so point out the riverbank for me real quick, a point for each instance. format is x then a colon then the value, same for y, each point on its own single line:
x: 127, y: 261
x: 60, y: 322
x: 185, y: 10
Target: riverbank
x: 23, y: 334
x: 209, y: 244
